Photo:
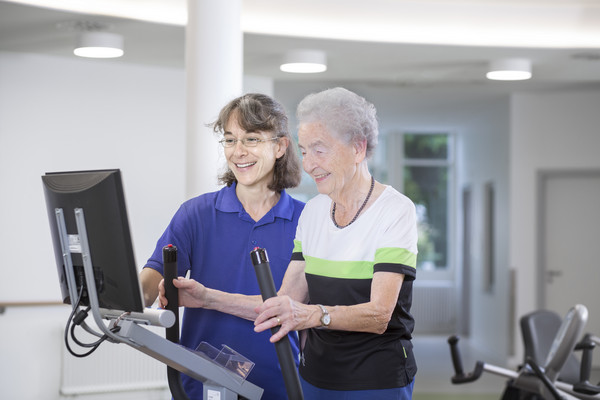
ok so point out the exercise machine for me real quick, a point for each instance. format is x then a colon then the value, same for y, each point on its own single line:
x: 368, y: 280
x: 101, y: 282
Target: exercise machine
x: 94, y: 258
x: 542, y: 380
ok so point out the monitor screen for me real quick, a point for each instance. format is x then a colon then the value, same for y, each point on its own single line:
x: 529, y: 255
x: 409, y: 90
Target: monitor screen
x: 100, y: 195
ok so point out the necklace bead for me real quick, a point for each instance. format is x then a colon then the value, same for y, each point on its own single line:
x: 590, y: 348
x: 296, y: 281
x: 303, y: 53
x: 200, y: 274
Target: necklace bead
x: 359, y: 210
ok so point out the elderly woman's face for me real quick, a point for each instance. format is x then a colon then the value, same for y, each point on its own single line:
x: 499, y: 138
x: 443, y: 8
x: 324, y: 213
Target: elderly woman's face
x: 252, y: 163
x: 328, y: 159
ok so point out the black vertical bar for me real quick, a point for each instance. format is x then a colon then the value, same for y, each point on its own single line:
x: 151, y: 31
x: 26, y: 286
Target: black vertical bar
x: 262, y: 268
x: 172, y: 333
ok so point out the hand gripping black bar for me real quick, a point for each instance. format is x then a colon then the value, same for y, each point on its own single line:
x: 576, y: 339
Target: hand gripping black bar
x: 172, y: 333
x: 262, y: 268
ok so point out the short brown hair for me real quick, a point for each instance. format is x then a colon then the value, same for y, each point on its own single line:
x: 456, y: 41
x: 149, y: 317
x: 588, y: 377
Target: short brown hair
x: 259, y: 112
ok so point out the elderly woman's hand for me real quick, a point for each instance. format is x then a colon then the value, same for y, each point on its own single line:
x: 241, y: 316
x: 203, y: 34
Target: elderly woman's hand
x: 281, y: 310
x: 191, y: 293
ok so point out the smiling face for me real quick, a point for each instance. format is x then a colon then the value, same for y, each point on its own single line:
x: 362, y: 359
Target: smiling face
x: 252, y: 165
x: 329, y: 160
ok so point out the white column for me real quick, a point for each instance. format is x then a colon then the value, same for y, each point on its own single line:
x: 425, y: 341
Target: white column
x: 214, y: 73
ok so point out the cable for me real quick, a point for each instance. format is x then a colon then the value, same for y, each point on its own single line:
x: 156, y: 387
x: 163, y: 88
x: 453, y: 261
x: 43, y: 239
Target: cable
x: 81, y: 344
x: 75, y: 319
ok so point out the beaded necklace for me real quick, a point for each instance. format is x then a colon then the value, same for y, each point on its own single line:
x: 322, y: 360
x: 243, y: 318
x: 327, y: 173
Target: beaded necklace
x: 359, y: 210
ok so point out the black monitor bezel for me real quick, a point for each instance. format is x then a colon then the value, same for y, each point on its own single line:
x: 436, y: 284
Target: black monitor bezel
x: 100, y: 194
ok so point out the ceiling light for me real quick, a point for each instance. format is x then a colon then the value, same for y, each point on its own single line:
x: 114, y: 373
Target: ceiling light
x: 510, y: 69
x: 97, y: 44
x: 304, y: 61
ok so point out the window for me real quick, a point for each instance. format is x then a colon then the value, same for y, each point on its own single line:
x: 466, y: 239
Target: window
x: 427, y: 180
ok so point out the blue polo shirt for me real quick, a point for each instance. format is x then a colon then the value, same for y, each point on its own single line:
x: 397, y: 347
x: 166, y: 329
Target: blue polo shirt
x: 214, y: 236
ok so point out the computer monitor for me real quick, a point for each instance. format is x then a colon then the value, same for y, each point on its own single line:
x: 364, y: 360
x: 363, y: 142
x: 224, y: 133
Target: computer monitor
x: 100, y: 195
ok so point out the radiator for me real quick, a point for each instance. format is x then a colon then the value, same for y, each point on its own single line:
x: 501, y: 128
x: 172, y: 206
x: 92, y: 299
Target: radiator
x: 434, y: 307
x: 111, y: 368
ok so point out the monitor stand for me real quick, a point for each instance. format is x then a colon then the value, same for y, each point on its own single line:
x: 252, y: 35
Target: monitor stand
x: 218, y: 382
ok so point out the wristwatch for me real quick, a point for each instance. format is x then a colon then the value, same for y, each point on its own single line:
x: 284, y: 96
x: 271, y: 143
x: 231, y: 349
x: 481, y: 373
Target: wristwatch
x: 325, y: 317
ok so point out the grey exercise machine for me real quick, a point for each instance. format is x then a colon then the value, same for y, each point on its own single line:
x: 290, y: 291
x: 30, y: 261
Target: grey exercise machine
x: 541, y: 380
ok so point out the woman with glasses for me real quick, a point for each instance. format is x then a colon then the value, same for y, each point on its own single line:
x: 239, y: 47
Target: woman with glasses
x: 215, y: 232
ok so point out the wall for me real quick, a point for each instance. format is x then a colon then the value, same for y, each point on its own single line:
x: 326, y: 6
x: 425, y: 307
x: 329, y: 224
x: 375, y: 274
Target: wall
x: 549, y: 130
x: 482, y: 158
x: 69, y: 114
x: 59, y: 114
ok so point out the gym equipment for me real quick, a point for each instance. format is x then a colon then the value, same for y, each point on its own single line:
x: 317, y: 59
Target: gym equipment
x: 538, y: 329
x: 586, y: 345
x: 262, y: 268
x: 169, y: 254
x: 92, y: 278
x: 538, y: 380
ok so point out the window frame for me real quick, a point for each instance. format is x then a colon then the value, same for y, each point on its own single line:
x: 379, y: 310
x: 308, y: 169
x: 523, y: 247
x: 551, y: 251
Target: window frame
x: 446, y: 273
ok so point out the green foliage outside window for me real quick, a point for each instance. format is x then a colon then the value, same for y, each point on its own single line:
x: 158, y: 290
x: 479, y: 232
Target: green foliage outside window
x: 427, y: 186
x: 425, y: 146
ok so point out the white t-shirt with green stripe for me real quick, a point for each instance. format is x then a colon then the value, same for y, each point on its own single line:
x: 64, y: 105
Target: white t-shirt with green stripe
x: 340, y: 263
x: 383, y: 234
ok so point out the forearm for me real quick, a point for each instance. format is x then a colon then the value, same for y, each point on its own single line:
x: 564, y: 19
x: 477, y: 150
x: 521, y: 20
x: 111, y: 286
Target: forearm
x: 294, y: 283
x: 239, y: 305
x: 372, y: 316
x: 149, y: 280
x: 366, y: 317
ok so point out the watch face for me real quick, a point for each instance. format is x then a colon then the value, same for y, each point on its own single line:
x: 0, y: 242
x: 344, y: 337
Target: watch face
x: 326, y: 319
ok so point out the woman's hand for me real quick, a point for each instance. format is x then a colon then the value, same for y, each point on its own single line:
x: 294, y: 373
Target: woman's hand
x: 372, y: 316
x: 289, y: 314
x: 191, y: 293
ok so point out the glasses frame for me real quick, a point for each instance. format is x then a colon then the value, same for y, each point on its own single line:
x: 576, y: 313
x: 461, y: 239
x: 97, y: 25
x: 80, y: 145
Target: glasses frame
x: 255, y: 141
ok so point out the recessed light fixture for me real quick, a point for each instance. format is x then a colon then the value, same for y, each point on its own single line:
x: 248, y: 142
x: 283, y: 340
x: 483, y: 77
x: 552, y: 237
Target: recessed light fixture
x: 304, y: 62
x: 98, y: 44
x: 510, y: 69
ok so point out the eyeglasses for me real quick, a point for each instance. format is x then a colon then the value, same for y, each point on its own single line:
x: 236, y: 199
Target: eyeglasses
x: 247, y: 142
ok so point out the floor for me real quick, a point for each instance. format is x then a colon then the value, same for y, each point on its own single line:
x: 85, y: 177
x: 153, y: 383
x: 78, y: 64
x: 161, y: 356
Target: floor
x: 435, y: 371
x: 433, y: 381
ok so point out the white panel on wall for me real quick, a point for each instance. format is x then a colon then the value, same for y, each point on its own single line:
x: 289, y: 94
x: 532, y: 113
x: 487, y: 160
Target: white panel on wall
x: 61, y: 114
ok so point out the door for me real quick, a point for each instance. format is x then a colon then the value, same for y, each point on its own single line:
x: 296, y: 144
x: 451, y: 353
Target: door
x: 569, y: 234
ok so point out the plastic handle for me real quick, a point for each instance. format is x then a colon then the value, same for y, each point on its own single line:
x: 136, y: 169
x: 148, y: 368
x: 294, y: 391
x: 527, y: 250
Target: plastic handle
x: 460, y: 376
x: 584, y: 386
x: 455, y: 354
x: 262, y: 268
x: 172, y: 333
x: 171, y: 292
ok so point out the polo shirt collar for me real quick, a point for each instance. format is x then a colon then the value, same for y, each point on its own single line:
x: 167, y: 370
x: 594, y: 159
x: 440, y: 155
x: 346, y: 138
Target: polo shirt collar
x: 227, y: 201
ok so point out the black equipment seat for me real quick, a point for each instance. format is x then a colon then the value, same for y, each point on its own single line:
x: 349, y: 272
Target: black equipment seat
x: 538, y: 329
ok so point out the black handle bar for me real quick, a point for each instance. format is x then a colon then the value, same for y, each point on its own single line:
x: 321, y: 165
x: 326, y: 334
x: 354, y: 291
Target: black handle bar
x: 584, y: 386
x: 262, y: 268
x: 172, y: 333
x: 460, y: 376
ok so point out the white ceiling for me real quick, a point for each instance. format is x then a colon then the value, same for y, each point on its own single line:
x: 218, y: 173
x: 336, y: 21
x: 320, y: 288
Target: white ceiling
x: 388, y: 42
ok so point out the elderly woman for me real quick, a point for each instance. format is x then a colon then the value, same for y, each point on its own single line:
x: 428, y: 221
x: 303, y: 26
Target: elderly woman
x: 349, y: 285
x: 215, y: 232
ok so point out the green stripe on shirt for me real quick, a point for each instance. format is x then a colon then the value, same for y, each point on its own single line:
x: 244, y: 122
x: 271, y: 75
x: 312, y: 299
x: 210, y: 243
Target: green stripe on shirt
x: 356, y: 269
x: 339, y: 269
x: 297, y: 246
x: 395, y: 255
